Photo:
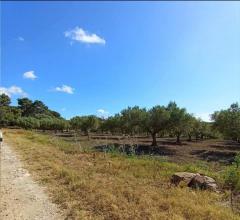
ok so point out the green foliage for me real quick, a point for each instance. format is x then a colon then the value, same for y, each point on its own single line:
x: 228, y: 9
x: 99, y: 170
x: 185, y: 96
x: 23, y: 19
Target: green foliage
x: 9, y: 115
x: 28, y: 123
x: 113, y: 124
x: 228, y: 122
x: 232, y: 175
x: 85, y: 123
x: 89, y: 123
x: 172, y: 119
x: 49, y: 123
x: 205, y: 129
x: 35, y: 109
x: 232, y: 178
x: 156, y: 120
x: 237, y: 160
x: 4, y: 100
x: 131, y: 119
x: 30, y: 115
x: 179, y: 120
x: 24, y: 105
x: 75, y: 123
x: 60, y: 124
x: 45, y: 123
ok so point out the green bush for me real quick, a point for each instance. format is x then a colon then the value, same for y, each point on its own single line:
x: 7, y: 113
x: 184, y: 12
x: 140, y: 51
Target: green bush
x: 28, y: 123
x: 237, y: 160
x: 232, y: 178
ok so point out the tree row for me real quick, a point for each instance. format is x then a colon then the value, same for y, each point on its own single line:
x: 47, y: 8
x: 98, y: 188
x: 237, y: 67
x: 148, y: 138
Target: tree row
x: 170, y: 120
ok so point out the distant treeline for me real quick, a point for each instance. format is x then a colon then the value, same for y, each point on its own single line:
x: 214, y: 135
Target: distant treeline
x: 169, y: 120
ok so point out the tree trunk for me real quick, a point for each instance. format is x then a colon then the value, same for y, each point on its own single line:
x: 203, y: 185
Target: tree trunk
x: 154, y: 139
x: 178, y: 139
x: 189, y: 137
x: 88, y: 134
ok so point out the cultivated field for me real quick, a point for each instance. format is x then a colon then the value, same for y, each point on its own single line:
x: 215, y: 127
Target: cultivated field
x: 106, y: 178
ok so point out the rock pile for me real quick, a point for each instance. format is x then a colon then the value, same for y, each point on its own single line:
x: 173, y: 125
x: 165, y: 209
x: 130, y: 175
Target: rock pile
x: 194, y: 180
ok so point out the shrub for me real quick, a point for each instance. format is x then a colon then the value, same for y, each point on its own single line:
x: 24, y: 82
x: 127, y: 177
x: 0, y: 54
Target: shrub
x: 28, y: 123
x: 232, y: 178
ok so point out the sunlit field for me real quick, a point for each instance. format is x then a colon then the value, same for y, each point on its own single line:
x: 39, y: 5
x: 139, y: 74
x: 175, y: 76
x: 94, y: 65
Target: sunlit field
x: 90, y: 184
x: 120, y: 110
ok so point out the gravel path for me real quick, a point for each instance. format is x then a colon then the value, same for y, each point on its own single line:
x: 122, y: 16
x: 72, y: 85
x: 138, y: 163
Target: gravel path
x: 21, y: 197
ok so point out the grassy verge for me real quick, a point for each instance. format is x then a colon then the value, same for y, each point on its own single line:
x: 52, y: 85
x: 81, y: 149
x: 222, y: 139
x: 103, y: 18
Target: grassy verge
x: 94, y: 185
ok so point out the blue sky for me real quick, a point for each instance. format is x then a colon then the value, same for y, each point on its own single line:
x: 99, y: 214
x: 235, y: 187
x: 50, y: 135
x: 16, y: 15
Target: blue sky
x: 84, y: 58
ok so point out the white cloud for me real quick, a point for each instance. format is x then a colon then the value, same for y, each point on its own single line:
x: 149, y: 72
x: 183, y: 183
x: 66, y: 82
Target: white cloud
x: 13, y: 90
x: 205, y: 116
x: 20, y: 38
x: 102, y: 113
x: 78, y: 34
x: 29, y: 75
x: 65, y: 88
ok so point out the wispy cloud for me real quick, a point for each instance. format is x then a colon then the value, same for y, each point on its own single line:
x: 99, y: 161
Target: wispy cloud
x: 29, y: 75
x: 102, y: 113
x: 80, y: 35
x: 13, y: 90
x: 20, y: 38
x: 65, y: 88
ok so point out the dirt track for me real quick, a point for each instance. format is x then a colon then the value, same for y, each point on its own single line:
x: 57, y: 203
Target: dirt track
x: 21, y: 197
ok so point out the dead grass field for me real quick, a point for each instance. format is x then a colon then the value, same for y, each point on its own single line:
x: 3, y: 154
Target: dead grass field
x: 89, y: 184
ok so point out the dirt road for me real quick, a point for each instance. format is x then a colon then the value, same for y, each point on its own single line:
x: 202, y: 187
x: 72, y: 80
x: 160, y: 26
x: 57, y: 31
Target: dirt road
x: 21, y: 197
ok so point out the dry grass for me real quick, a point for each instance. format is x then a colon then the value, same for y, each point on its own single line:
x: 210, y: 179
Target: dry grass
x: 94, y: 185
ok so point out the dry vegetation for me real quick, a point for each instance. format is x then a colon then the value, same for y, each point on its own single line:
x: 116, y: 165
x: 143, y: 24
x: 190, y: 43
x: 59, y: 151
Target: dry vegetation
x: 97, y: 185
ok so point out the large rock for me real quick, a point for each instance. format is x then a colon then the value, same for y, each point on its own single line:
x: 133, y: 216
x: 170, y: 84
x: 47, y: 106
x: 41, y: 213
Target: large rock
x: 182, y: 176
x: 203, y: 182
x: 194, y: 180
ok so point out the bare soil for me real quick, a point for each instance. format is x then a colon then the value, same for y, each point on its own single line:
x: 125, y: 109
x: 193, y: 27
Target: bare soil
x: 209, y: 150
x: 21, y: 197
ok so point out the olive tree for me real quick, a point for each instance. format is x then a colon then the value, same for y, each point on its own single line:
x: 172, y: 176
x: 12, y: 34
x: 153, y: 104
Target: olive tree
x: 58, y: 124
x: 155, y: 120
x: 179, y: 120
x: 132, y: 119
x: 228, y: 122
x: 85, y: 123
x: 191, y: 129
x: 113, y: 124
x: 45, y: 123
x: 75, y: 123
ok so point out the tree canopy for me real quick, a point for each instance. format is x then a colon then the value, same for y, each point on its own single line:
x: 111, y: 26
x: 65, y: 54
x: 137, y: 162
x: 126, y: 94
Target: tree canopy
x: 4, y: 100
x: 29, y: 114
x: 170, y: 120
x: 228, y: 122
